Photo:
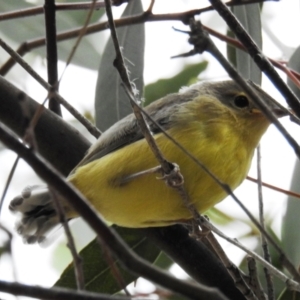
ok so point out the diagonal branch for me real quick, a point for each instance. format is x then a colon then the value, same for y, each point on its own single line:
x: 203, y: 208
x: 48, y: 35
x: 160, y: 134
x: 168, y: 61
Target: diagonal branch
x: 261, y: 60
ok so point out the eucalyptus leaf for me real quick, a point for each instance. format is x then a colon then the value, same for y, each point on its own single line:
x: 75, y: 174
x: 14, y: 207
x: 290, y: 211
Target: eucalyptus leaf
x: 96, y: 265
x: 219, y: 217
x: 163, y: 261
x: 294, y: 63
x: 231, y: 50
x: 27, y: 28
x: 163, y: 87
x: 291, y: 220
x: 111, y: 102
x: 249, y: 16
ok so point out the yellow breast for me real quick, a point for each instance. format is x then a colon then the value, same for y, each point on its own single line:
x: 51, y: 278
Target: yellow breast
x: 147, y: 201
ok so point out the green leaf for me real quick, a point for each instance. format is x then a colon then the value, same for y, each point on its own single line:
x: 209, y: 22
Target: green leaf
x: 249, y: 16
x: 231, y: 50
x: 32, y: 27
x: 163, y: 261
x: 163, y: 87
x: 291, y: 221
x: 112, y: 102
x: 97, y: 272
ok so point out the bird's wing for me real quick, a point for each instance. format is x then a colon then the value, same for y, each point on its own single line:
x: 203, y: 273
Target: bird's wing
x: 127, y: 130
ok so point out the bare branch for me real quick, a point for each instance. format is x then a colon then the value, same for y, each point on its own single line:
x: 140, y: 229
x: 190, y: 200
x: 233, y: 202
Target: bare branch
x: 15, y: 288
x: 51, y: 49
x: 265, y: 248
x: 290, y: 283
x: 253, y: 279
x: 71, y: 244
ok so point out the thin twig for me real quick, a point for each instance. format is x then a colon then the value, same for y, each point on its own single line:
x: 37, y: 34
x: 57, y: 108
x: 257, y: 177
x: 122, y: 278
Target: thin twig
x: 80, y: 36
x: 265, y: 248
x: 150, y: 8
x: 54, y: 293
x: 113, y: 267
x: 8, y: 247
x: 275, y: 188
x: 290, y: 283
x: 8, y: 181
x: 234, y: 272
x: 253, y: 279
x: 71, y: 244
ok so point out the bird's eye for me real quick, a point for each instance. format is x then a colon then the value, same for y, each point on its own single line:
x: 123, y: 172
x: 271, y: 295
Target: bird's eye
x: 241, y: 101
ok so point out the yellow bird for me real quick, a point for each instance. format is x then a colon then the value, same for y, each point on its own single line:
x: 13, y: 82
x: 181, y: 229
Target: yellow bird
x: 215, y: 121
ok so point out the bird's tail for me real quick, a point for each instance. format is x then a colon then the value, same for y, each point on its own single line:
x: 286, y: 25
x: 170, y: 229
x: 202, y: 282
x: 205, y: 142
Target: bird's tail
x: 37, y: 213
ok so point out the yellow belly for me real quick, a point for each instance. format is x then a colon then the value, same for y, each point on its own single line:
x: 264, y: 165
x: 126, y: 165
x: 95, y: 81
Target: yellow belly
x: 146, y: 201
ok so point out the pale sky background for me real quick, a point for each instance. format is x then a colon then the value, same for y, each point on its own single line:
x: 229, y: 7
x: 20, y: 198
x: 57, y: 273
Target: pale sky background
x: 33, y: 262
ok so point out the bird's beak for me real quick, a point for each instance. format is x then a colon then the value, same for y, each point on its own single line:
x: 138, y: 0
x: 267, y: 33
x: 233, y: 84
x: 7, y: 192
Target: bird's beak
x: 281, y: 112
x: 278, y: 111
